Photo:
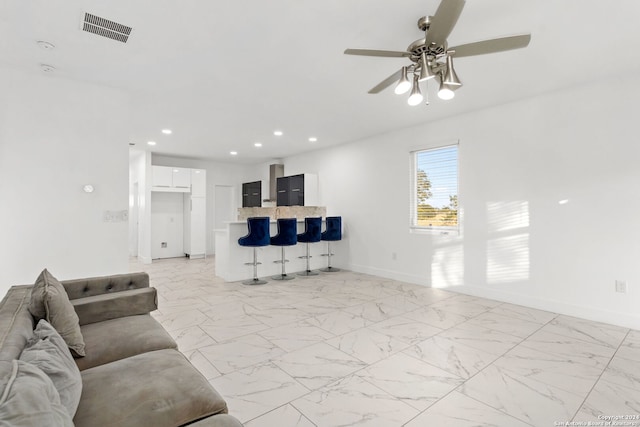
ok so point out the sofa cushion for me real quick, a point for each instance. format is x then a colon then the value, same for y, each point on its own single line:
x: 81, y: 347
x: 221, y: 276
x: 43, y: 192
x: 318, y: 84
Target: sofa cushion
x: 16, y: 323
x: 99, y: 308
x: 158, y: 388
x: 28, y: 397
x: 48, y: 352
x: 49, y: 301
x: 116, y: 339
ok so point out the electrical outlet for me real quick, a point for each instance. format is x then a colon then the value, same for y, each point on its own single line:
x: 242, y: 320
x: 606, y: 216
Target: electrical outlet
x: 394, y: 256
x: 163, y: 244
x: 621, y: 286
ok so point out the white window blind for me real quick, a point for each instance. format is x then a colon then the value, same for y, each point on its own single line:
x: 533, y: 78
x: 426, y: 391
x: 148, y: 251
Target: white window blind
x: 434, y: 189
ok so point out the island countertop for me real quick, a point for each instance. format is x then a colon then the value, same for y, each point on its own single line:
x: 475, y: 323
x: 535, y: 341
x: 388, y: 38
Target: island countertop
x: 276, y: 212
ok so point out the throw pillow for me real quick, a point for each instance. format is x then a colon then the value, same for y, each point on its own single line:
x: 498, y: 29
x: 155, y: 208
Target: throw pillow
x: 50, y: 301
x: 28, y: 398
x: 47, y: 351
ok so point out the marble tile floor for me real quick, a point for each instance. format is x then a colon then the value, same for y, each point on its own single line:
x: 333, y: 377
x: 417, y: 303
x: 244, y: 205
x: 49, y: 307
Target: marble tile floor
x: 348, y: 349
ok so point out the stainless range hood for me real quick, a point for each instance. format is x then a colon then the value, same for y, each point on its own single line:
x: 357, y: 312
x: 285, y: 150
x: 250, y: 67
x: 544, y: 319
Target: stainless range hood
x: 275, y: 171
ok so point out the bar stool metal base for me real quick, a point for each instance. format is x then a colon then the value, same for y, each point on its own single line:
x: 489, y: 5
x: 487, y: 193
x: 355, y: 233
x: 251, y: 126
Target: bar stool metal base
x: 283, y: 275
x: 329, y: 268
x: 255, y: 281
x: 308, y: 273
x: 255, y: 264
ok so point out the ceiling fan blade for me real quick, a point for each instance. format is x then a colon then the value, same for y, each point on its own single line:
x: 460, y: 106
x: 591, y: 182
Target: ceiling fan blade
x: 373, y: 52
x: 387, y: 82
x: 492, y: 46
x: 443, y: 21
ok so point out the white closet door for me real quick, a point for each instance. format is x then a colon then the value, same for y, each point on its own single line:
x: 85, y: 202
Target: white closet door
x: 198, y: 226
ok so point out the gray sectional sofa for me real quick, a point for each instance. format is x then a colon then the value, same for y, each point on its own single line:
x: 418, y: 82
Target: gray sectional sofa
x: 132, y: 373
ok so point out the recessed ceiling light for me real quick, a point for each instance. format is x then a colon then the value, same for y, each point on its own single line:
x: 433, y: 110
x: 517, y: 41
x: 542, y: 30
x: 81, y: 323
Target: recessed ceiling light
x: 45, y: 45
x: 257, y: 144
x: 47, y: 68
x: 233, y: 153
x: 151, y: 143
x: 313, y: 139
x: 166, y: 131
x: 563, y: 202
x: 277, y: 132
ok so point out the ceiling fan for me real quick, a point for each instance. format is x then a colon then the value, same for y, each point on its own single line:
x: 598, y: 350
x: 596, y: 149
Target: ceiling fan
x: 431, y: 56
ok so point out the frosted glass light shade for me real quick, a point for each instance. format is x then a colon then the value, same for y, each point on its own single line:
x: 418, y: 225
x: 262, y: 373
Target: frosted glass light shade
x: 404, y: 84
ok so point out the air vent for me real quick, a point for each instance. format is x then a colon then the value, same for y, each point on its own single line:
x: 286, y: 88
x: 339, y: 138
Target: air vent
x: 105, y: 28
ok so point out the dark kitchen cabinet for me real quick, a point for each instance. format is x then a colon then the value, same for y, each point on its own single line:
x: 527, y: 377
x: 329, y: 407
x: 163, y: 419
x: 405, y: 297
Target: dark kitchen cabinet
x: 252, y: 194
x: 290, y: 190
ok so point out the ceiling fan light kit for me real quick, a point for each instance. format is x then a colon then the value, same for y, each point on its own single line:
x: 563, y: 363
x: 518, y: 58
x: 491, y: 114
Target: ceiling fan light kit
x: 416, y: 96
x: 445, y: 92
x: 425, y: 69
x: 450, y: 76
x: 432, y: 57
x: 404, y: 84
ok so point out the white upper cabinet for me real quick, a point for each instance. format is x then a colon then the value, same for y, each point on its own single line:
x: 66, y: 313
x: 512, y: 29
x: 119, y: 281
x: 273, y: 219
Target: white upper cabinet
x: 181, y: 177
x: 198, y: 183
x: 162, y: 176
x: 166, y: 178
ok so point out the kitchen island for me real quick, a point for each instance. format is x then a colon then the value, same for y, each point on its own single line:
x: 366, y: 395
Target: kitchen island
x: 231, y: 257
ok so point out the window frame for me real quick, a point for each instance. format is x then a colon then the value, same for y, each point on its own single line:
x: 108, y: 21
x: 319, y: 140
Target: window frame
x: 413, y: 197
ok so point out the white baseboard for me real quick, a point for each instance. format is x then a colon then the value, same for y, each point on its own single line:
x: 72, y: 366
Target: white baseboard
x: 388, y: 274
x: 596, y: 314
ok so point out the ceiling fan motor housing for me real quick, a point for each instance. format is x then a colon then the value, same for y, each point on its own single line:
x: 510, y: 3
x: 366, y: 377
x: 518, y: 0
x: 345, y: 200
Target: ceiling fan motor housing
x: 418, y: 47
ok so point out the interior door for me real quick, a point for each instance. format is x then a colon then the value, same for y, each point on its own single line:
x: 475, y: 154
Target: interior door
x: 198, y: 226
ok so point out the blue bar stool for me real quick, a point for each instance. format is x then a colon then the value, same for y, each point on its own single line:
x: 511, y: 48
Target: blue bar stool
x: 312, y: 234
x: 332, y: 233
x: 258, y: 236
x: 287, y: 236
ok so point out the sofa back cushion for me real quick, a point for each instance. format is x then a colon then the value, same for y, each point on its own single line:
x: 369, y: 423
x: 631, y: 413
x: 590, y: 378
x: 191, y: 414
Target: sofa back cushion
x: 48, y: 351
x: 28, y: 398
x: 88, y: 287
x: 50, y: 301
x: 16, y: 323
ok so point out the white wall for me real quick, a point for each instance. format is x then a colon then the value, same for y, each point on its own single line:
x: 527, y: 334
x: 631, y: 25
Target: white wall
x: 217, y: 174
x: 516, y: 162
x: 55, y: 136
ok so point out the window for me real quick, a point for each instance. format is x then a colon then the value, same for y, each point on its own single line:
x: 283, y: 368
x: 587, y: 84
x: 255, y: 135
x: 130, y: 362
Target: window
x: 434, y: 190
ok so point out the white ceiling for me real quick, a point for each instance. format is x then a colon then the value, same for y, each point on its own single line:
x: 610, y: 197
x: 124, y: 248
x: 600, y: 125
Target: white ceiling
x: 225, y: 74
